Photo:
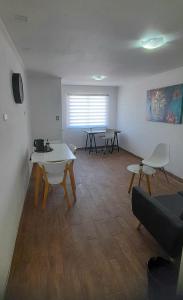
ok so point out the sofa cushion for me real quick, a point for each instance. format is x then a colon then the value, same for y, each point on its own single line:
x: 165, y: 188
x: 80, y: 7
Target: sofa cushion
x: 180, y: 193
x: 174, y: 203
x: 158, y: 218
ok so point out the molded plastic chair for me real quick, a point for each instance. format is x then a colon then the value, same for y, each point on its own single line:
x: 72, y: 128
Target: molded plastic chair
x: 108, y: 137
x: 159, y: 158
x: 73, y: 148
x: 55, y: 173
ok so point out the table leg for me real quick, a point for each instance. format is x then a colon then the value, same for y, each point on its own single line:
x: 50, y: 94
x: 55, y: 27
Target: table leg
x: 131, y: 183
x: 86, y: 144
x: 113, y: 142
x: 148, y: 184
x: 72, y: 179
x: 90, y: 138
x: 95, y: 143
x: 117, y: 141
x: 111, y: 146
x: 37, y: 183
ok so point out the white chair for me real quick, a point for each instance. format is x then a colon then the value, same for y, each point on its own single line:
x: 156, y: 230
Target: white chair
x: 159, y: 158
x: 55, y: 173
x: 73, y: 148
x: 108, y: 138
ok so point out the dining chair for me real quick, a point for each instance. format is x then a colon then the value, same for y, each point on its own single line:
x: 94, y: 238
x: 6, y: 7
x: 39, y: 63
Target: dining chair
x: 73, y: 148
x: 55, y: 173
x: 108, y: 137
x: 159, y: 158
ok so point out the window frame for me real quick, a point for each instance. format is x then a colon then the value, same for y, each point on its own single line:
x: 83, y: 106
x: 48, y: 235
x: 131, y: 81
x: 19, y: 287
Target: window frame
x: 86, y: 126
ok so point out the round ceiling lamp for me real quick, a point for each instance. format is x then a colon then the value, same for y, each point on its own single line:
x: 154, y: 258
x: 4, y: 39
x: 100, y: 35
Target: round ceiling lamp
x: 153, y: 43
x: 99, y: 77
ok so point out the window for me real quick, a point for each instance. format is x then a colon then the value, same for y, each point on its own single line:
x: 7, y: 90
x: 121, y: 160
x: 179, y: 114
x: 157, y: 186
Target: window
x: 87, y: 111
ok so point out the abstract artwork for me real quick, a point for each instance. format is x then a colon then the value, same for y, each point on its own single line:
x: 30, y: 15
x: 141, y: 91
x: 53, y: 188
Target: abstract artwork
x: 165, y: 104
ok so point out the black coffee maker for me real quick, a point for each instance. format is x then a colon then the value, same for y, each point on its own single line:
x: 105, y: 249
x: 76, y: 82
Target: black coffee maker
x: 39, y: 145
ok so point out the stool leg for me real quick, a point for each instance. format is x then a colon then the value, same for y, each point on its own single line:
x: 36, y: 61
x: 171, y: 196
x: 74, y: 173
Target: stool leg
x: 140, y: 178
x: 163, y: 170
x: 148, y: 184
x: 131, y: 183
x: 138, y: 226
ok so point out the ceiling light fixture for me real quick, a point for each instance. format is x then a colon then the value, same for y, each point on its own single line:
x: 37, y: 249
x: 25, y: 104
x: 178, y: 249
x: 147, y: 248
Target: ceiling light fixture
x: 153, y: 43
x: 99, y: 77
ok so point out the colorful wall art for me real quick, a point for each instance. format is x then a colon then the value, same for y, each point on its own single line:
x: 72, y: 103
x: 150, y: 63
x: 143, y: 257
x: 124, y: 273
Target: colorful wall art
x: 165, y: 104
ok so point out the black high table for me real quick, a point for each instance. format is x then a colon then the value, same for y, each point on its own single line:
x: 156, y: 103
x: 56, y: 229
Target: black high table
x: 90, y: 137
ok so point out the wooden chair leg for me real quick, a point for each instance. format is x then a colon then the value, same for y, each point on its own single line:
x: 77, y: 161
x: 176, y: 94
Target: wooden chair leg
x: 148, y: 184
x: 131, y: 183
x: 73, y: 178
x: 66, y: 195
x: 45, y: 195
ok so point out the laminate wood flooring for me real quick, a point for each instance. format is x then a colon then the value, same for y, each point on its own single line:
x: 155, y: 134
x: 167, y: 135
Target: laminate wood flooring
x: 92, y: 251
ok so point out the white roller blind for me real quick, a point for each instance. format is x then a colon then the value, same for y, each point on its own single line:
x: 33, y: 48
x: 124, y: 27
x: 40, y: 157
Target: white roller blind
x: 87, y: 111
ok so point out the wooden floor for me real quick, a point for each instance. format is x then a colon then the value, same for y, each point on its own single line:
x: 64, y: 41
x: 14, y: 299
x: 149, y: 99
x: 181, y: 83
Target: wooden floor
x: 93, y: 251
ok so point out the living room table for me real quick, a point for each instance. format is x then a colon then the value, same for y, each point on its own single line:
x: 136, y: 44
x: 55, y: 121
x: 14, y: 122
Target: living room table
x: 90, y: 136
x: 60, y: 152
x: 140, y: 170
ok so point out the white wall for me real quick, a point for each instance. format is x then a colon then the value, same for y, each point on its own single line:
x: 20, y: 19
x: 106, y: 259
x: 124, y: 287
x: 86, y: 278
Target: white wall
x: 14, y: 154
x: 76, y: 136
x: 140, y: 136
x: 45, y: 104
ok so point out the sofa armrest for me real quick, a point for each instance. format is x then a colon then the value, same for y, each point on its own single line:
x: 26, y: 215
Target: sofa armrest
x: 166, y: 228
x: 180, y: 193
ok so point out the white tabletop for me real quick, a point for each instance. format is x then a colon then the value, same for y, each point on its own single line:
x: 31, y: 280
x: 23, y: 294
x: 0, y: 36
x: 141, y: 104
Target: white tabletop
x: 95, y: 131
x: 145, y: 169
x: 60, y: 152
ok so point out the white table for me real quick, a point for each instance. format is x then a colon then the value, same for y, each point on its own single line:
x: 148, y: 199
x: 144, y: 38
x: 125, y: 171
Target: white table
x: 140, y: 170
x: 90, y: 135
x: 60, y: 152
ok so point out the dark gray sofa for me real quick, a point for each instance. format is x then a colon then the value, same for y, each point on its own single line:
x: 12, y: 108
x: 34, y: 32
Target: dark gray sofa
x: 162, y: 216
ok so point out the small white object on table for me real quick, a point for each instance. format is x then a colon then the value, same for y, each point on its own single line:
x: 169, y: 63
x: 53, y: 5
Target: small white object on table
x: 60, y: 152
x: 140, y: 170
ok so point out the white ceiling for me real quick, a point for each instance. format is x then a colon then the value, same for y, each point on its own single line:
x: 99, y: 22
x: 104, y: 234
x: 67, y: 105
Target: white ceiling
x: 75, y: 39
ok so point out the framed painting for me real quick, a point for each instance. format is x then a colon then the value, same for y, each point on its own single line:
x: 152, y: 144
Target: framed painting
x: 165, y: 104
